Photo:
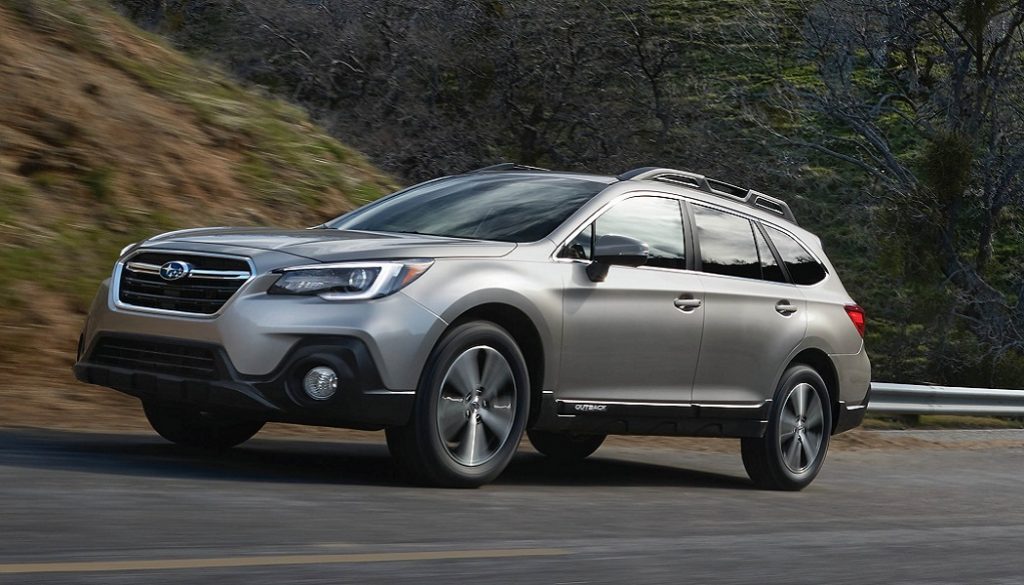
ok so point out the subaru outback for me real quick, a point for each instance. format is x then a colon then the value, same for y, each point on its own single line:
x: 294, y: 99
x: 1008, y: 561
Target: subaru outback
x: 462, y: 313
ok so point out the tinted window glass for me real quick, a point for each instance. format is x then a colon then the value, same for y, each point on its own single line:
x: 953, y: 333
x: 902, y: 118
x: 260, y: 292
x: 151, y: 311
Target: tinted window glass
x: 803, y: 268
x: 509, y: 207
x: 770, y: 269
x: 726, y: 244
x: 655, y: 220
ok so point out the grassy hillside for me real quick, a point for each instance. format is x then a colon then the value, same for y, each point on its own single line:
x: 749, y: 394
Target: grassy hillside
x: 108, y: 136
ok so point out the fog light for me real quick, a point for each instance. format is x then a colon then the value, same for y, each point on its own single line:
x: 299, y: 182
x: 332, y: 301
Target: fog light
x: 320, y: 383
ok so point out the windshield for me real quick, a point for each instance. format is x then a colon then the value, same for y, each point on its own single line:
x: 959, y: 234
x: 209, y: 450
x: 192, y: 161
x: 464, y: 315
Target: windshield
x: 507, y: 207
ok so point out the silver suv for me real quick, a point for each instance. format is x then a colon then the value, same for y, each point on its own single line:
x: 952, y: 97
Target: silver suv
x: 462, y: 312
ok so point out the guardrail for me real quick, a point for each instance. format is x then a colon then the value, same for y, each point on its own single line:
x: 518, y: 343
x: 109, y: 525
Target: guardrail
x: 909, y: 399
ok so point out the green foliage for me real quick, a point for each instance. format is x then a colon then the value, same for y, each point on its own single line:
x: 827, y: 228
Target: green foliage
x: 46, y: 179
x: 278, y: 145
x: 70, y: 257
x: 13, y: 199
x: 934, y: 421
x: 99, y: 182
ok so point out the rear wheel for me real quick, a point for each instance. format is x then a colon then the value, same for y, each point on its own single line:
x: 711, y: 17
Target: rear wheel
x: 790, y: 454
x: 195, y: 428
x: 471, y: 408
x: 565, y: 447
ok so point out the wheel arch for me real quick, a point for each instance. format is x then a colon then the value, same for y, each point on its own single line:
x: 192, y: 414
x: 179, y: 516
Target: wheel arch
x: 526, y: 335
x: 819, y: 361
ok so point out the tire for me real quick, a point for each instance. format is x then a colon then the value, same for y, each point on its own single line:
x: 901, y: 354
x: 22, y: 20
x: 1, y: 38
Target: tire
x: 192, y: 427
x: 792, y: 451
x: 565, y: 447
x: 471, y: 409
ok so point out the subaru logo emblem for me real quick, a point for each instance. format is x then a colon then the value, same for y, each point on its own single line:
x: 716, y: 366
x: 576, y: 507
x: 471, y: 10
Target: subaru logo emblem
x: 175, y: 270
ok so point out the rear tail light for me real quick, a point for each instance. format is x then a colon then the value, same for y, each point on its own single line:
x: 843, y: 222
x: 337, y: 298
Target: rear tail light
x: 859, y: 318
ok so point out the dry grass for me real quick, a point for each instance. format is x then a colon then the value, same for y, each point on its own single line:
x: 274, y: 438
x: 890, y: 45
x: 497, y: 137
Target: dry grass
x: 108, y: 136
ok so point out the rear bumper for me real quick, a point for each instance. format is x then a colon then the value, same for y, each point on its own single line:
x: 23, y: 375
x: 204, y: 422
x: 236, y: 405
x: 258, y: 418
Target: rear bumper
x: 854, y: 377
x: 850, y: 416
x: 362, y: 401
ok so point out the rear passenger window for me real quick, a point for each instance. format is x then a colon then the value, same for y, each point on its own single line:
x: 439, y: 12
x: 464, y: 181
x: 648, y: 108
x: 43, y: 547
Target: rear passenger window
x: 658, y: 221
x: 803, y: 268
x: 726, y: 244
x: 770, y: 269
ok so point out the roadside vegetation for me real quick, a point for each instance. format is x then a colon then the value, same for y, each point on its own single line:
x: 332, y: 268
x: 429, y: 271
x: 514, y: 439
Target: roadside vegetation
x: 935, y: 422
x: 108, y: 136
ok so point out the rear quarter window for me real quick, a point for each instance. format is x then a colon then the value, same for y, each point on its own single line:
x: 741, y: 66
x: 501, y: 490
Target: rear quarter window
x: 802, y: 266
x: 727, y: 245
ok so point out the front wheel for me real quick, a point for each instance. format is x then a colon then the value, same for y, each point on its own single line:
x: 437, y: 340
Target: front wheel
x: 790, y: 454
x: 192, y: 427
x: 471, y: 409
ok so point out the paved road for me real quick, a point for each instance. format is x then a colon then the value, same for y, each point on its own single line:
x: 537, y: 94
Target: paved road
x: 111, y: 509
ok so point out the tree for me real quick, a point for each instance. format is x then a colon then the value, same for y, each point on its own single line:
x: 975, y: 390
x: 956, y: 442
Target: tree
x: 926, y: 97
x: 435, y: 86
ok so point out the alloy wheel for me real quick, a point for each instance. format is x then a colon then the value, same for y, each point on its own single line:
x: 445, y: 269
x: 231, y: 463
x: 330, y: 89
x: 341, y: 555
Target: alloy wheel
x: 801, y: 428
x: 476, y: 406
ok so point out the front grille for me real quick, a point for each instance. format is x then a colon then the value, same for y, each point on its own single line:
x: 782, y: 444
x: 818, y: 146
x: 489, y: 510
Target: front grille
x: 212, y: 281
x: 158, y: 357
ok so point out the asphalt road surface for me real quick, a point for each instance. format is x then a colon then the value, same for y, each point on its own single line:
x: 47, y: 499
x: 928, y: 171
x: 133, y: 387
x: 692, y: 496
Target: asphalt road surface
x: 110, y: 509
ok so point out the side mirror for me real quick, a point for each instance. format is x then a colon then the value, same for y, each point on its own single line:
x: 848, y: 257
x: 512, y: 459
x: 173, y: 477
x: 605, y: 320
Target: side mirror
x: 613, y: 250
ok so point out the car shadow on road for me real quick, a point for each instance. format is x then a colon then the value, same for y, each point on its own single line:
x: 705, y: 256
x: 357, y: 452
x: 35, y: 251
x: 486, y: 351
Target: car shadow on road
x: 298, y: 461
x: 604, y: 470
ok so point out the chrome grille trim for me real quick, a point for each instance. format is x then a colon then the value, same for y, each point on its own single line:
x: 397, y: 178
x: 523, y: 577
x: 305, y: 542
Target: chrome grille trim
x: 143, y: 268
x: 125, y: 267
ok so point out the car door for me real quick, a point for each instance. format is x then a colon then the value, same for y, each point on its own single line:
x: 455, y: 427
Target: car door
x: 753, y: 318
x: 634, y: 337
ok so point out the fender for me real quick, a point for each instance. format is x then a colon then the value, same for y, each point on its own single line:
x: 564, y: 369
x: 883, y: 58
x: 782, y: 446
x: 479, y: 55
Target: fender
x: 455, y: 286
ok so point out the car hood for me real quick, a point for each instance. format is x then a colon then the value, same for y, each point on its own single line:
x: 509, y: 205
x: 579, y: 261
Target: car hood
x: 324, y: 245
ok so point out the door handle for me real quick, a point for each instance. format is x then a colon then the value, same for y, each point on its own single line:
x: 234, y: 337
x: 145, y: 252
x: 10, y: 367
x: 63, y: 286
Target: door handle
x: 785, y: 308
x: 687, y: 305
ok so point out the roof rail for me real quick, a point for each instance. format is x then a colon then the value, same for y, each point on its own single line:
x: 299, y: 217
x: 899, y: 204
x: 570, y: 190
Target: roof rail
x: 506, y: 167
x: 748, y: 197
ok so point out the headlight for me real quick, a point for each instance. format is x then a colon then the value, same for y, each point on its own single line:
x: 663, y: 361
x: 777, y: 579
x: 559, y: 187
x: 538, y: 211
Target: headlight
x: 350, y: 281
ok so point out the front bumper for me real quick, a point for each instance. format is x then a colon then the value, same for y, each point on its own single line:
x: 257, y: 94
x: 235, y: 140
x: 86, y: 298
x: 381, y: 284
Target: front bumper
x: 262, y: 345
x: 361, y: 400
x: 256, y: 331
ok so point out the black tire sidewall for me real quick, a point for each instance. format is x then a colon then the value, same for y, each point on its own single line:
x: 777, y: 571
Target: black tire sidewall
x: 438, y: 465
x: 190, y: 427
x: 797, y: 375
x: 565, y: 446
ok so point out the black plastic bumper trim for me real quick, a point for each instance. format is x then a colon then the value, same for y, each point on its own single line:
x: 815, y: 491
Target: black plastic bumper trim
x: 361, y: 401
x: 849, y: 417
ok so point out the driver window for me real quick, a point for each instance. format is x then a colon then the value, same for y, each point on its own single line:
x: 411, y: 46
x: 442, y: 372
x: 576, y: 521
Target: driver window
x: 658, y: 221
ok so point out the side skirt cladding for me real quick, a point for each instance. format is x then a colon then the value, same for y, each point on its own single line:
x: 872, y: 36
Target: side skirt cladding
x: 664, y: 419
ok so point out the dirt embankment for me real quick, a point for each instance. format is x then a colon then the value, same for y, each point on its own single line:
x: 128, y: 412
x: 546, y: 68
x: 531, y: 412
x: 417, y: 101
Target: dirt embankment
x: 108, y: 136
